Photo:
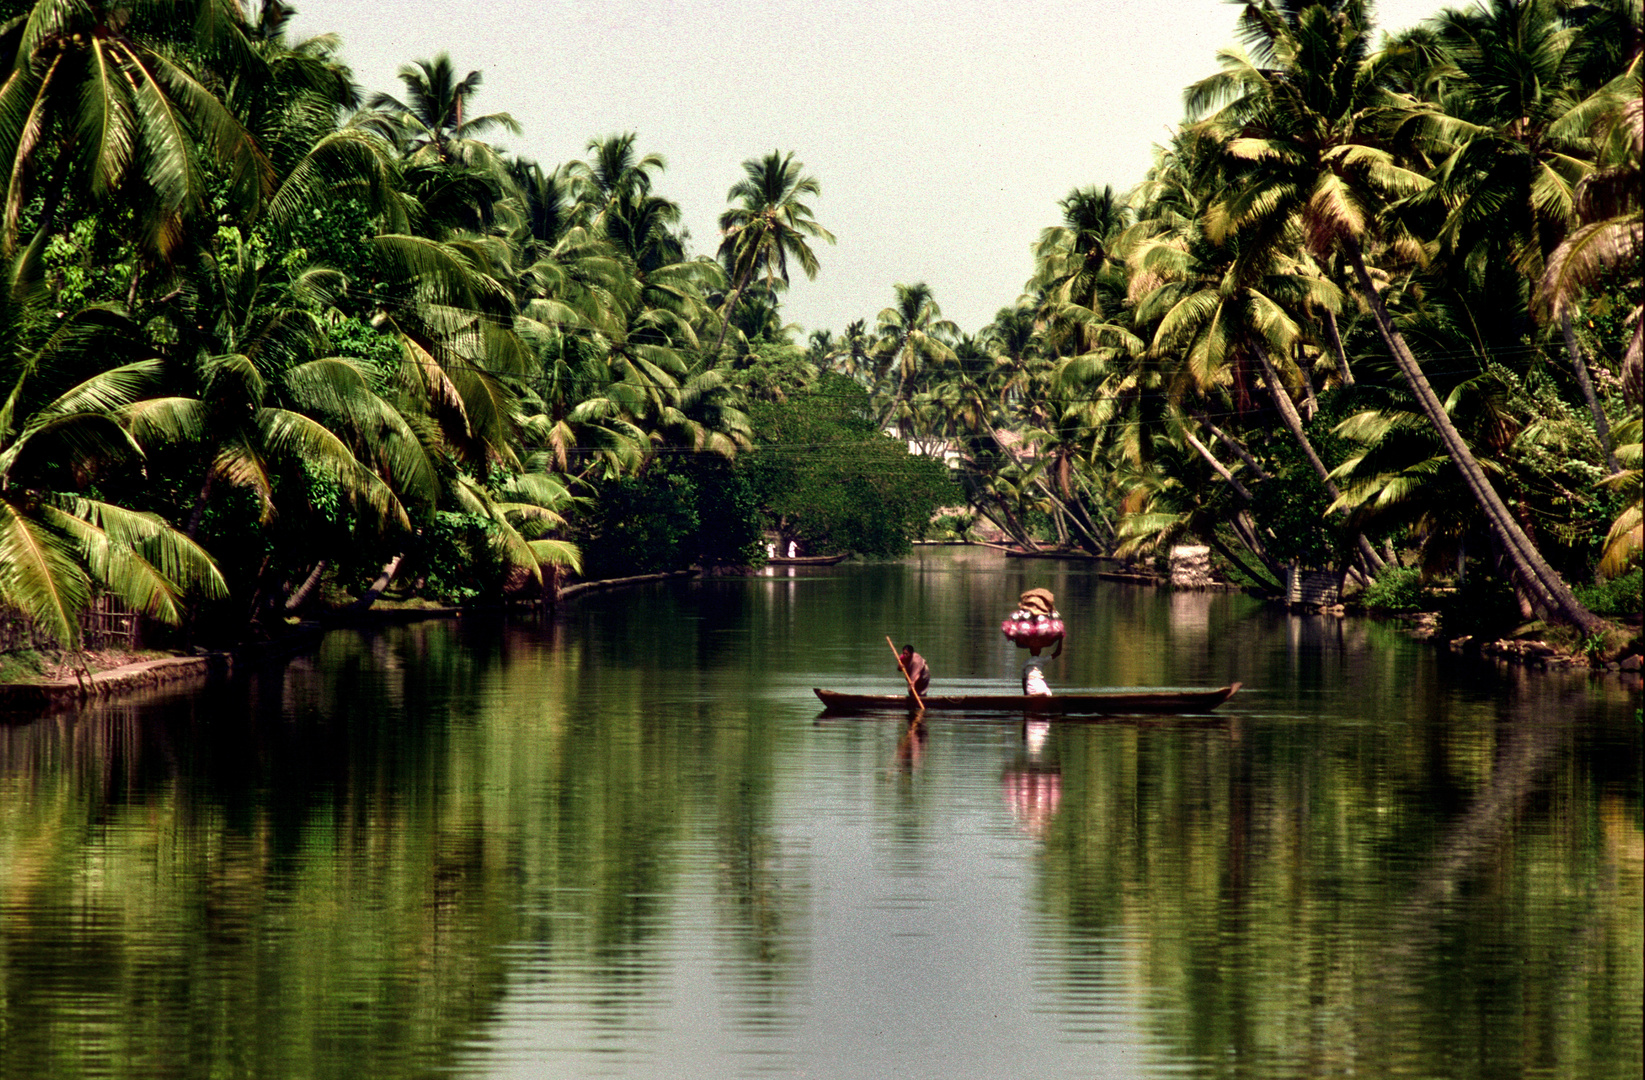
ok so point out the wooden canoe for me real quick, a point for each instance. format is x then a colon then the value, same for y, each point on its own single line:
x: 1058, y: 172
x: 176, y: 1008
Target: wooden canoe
x: 1102, y: 703
x: 808, y: 560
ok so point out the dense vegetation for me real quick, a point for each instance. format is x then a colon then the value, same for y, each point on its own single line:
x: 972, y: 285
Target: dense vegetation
x: 265, y: 339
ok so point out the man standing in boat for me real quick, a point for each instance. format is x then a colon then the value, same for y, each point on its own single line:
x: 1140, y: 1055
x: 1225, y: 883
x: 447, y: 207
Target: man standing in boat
x: 914, y: 666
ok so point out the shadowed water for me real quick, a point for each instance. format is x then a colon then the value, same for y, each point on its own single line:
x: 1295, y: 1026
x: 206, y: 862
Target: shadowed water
x: 623, y: 843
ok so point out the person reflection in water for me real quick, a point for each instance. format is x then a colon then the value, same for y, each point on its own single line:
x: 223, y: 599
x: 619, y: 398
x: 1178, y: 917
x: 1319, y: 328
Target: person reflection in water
x: 916, y: 668
x: 911, y: 747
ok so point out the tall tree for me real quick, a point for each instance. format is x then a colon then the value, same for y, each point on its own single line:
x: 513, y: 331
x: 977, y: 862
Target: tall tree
x: 102, y: 103
x: 769, y: 226
x: 912, y: 335
x: 431, y: 124
x: 1311, y: 132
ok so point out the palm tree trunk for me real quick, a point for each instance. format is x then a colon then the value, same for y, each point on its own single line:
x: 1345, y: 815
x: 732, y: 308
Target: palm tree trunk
x: 1293, y: 422
x: 1337, y: 349
x: 199, y: 506
x: 384, y: 579
x: 1222, y: 470
x: 1245, y: 527
x: 1311, y: 403
x: 1066, y: 516
x: 1009, y: 526
x: 1233, y: 444
x: 1228, y: 553
x: 1548, y: 591
x: 1601, y: 426
x: 295, y: 602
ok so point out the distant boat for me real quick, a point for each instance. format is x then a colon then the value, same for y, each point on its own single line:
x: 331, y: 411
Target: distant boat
x: 1100, y: 703
x: 809, y: 560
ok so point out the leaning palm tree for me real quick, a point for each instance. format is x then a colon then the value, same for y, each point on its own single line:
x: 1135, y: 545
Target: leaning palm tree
x: 58, y: 434
x: 769, y: 227
x: 1307, y: 134
x: 1512, y: 138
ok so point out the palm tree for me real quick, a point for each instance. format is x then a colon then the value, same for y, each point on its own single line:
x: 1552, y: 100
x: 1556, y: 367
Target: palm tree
x: 769, y: 227
x: 1307, y: 138
x: 1015, y: 344
x: 856, y: 343
x: 911, y: 338
x: 1074, y: 265
x: 1512, y: 141
x: 430, y: 125
x: 99, y: 104
x: 1609, y: 234
x: 58, y: 434
x: 265, y: 398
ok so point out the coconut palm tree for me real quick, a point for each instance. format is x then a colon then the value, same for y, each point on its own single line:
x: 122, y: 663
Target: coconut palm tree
x: 261, y: 397
x: 430, y: 125
x: 1308, y: 135
x: 769, y: 227
x: 614, y: 172
x: 912, y: 337
x: 1512, y: 140
x: 66, y: 382
x: 1075, y: 268
x: 102, y: 105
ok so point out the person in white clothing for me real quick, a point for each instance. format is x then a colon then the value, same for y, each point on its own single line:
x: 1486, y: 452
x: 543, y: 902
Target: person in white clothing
x: 1033, y: 679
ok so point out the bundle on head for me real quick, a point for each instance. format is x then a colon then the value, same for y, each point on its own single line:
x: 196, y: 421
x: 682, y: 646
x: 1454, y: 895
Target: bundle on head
x: 1039, y: 602
x: 1036, y: 623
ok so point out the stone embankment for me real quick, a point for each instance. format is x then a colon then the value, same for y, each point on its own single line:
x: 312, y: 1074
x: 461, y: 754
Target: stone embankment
x: 52, y: 695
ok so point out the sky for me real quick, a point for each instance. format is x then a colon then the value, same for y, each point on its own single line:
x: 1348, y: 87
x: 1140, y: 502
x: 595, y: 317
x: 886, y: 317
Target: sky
x: 943, y: 134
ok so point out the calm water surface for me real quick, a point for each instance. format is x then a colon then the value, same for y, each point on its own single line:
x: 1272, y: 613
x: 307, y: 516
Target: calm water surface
x: 624, y: 844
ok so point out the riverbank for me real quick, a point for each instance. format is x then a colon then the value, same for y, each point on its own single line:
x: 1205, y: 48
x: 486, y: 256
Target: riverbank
x: 110, y: 674
x: 65, y: 683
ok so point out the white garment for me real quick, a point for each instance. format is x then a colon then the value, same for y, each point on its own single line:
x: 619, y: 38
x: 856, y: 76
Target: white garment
x: 1033, y: 679
x: 791, y: 549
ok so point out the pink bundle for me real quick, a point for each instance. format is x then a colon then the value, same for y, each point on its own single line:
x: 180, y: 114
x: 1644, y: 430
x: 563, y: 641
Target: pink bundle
x: 1031, y: 630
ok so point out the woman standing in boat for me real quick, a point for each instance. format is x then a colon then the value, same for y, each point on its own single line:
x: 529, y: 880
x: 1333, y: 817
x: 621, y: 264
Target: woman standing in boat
x: 1035, y: 625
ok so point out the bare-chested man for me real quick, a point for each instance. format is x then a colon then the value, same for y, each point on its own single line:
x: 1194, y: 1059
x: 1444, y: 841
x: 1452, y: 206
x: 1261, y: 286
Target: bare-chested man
x: 919, y: 673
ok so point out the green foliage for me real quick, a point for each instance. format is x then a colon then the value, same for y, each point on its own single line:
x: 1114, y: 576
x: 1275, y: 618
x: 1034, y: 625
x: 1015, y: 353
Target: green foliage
x: 457, y: 559
x: 951, y: 527
x: 1291, y: 509
x: 21, y: 665
x: 88, y: 264
x: 1624, y: 596
x: 729, y: 529
x: 1396, y: 589
x: 643, y: 524
x: 825, y: 475
x: 350, y: 336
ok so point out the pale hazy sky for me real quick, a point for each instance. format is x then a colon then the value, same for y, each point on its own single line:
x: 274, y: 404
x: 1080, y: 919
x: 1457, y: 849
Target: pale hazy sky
x: 943, y: 133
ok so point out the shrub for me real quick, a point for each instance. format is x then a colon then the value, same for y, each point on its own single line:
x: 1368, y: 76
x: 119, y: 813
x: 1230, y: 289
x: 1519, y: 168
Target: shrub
x: 1397, y: 588
x: 1623, y: 596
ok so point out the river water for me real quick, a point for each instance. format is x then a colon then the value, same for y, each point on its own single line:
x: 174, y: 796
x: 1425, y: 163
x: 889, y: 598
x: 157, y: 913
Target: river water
x: 623, y: 843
